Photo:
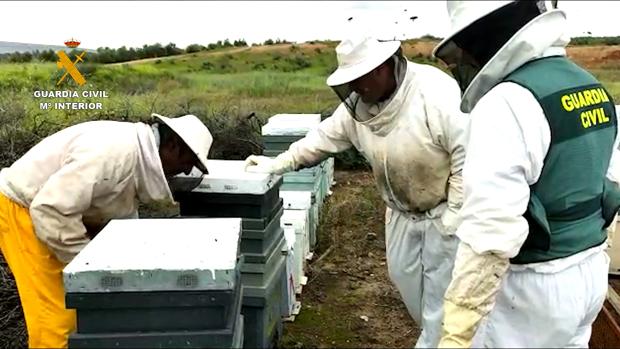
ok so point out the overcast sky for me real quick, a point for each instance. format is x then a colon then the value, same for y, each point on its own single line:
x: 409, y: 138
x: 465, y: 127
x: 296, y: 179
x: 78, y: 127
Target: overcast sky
x: 134, y: 23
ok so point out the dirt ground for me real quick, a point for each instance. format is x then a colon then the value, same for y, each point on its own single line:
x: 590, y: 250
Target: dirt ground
x: 595, y: 56
x: 351, y: 280
x: 424, y: 48
x: 605, y: 330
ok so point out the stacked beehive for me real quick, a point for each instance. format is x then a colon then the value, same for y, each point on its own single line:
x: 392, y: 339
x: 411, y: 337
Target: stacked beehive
x: 278, y: 134
x: 158, y: 283
x: 296, y: 216
x: 229, y: 191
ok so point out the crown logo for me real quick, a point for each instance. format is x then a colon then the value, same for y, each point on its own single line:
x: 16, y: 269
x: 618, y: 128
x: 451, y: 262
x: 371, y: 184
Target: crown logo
x: 72, y: 43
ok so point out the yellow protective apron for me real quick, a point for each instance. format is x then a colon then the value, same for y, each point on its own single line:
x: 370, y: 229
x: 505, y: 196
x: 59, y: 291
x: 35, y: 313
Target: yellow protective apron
x: 39, y: 278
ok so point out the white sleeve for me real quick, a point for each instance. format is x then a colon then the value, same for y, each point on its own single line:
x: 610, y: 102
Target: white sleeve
x: 509, y: 139
x: 449, y: 128
x: 613, y: 173
x: 330, y: 137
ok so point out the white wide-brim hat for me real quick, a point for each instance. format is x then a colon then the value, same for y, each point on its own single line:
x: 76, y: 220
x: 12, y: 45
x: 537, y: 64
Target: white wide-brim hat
x: 193, y: 132
x: 358, y: 57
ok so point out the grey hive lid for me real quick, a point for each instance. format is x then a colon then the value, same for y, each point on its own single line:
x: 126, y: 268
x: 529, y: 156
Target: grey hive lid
x: 230, y: 177
x: 158, y: 255
x: 290, y: 124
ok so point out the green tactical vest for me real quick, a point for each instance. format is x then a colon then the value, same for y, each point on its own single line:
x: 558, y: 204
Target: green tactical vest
x: 572, y: 202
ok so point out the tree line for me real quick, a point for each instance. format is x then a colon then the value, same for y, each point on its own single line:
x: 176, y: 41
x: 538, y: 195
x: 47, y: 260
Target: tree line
x: 122, y: 54
x: 595, y: 40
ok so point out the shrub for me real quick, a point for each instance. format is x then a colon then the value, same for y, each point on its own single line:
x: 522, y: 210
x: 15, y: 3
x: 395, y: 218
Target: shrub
x: 298, y: 63
x: 207, y: 65
x: 194, y: 48
x: 259, y: 66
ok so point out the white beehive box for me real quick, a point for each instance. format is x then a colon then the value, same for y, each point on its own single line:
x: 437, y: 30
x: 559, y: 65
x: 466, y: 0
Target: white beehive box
x: 296, y: 200
x: 298, y: 220
x: 291, y: 282
x: 230, y: 177
x: 158, y: 255
x: 290, y: 124
x: 329, y: 171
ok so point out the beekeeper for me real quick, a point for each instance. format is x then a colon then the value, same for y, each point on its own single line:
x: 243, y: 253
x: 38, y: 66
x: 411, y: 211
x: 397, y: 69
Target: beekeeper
x: 404, y: 119
x: 68, y: 186
x: 536, y: 197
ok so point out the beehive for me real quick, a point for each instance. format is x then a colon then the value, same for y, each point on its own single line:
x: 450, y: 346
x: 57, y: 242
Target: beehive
x: 158, y: 283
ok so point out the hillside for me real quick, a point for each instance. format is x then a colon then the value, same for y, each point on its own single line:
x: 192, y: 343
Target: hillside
x: 319, y: 60
x: 592, y: 56
x: 10, y: 47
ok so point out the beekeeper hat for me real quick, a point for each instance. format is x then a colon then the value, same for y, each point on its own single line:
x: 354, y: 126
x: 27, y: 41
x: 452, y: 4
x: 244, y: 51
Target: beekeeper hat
x: 463, y: 14
x: 357, y: 57
x: 194, y: 133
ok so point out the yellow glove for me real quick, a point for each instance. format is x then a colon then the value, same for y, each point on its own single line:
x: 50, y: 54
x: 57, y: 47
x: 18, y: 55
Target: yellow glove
x: 476, y: 279
x: 261, y: 164
x: 459, y: 326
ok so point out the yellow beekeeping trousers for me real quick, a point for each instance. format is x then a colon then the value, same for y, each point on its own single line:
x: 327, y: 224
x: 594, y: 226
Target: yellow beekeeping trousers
x: 38, y: 275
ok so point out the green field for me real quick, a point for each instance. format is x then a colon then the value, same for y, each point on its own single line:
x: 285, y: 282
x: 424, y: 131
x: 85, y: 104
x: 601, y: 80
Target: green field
x: 221, y: 88
x: 266, y: 82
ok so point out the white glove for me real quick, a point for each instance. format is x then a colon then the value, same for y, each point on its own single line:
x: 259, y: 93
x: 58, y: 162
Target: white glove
x: 450, y: 220
x: 261, y: 164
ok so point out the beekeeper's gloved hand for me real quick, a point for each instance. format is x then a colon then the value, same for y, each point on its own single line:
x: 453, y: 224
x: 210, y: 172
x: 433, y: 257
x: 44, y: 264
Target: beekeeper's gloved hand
x: 459, y: 326
x: 279, y: 165
x: 470, y: 297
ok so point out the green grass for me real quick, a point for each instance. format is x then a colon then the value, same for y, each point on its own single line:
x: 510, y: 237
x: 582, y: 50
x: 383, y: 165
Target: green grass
x: 287, y: 82
x: 139, y: 84
x: 610, y: 78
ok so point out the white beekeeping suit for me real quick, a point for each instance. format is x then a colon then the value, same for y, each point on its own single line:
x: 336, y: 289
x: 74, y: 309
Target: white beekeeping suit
x: 544, y: 304
x: 414, y: 141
